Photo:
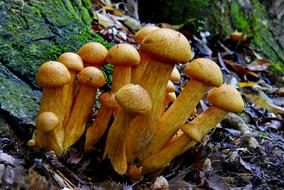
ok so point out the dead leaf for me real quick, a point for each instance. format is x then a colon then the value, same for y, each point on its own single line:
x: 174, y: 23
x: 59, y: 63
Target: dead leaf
x: 259, y: 65
x: 246, y: 84
x: 241, y: 69
x: 262, y: 100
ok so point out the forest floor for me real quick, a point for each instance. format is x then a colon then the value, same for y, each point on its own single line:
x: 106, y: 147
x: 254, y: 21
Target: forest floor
x: 244, y: 151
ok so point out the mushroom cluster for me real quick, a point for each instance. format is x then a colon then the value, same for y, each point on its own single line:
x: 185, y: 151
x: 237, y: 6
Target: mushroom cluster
x: 150, y: 126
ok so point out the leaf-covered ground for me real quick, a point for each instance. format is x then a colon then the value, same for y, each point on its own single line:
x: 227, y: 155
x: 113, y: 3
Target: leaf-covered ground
x: 244, y: 151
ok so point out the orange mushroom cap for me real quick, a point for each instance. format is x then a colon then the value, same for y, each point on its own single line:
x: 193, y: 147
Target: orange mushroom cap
x: 72, y: 61
x: 143, y: 32
x: 91, y: 76
x: 93, y: 53
x: 133, y: 99
x: 204, y: 70
x: 123, y: 55
x: 52, y: 74
x: 226, y: 97
x: 167, y: 45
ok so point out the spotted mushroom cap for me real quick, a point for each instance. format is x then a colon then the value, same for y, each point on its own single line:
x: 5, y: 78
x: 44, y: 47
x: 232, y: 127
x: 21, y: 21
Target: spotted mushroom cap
x: 47, y: 121
x: 91, y: 76
x: 133, y: 99
x: 226, y: 97
x: 123, y: 55
x: 93, y: 54
x: 72, y: 61
x: 52, y: 74
x: 204, y: 70
x: 144, y: 31
x: 166, y: 45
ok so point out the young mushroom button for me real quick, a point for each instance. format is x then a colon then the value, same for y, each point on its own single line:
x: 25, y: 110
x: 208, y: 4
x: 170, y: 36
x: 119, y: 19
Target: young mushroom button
x: 133, y: 100
x: 52, y: 76
x: 203, y: 73
x: 160, y: 48
x: 90, y: 78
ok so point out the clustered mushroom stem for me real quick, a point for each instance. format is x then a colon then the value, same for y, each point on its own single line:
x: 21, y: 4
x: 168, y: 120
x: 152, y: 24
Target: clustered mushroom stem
x: 98, y: 127
x: 82, y: 107
x: 223, y: 100
x: 176, y: 115
x: 203, y: 123
x: 143, y: 126
x: 90, y: 78
x: 138, y: 71
x: 121, y: 77
x: 115, y: 145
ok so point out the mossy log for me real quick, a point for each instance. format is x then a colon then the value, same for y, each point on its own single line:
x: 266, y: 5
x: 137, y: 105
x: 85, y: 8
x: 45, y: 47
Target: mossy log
x: 33, y: 32
x: 223, y: 17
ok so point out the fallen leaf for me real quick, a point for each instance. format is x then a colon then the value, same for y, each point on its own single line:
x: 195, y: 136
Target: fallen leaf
x: 259, y: 65
x: 262, y: 100
x: 246, y: 84
x: 241, y: 69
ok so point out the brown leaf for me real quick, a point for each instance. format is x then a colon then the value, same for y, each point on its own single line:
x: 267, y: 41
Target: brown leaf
x: 259, y: 65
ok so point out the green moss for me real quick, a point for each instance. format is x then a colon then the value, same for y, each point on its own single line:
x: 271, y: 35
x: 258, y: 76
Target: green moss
x: 31, y: 33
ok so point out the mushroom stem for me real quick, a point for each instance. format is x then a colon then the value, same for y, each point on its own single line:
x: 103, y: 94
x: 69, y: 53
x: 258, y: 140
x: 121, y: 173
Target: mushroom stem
x: 98, y: 127
x: 138, y: 71
x: 90, y: 78
x: 121, y: 77
x: 134, y: 100
x: 142, y: 128
x: 52, y: 76
x: 223, y: 99
x: 115, y: 146
x: 204, y: 73
x: 176, y: 115
x: 198, y: 127
x: 160, y: 46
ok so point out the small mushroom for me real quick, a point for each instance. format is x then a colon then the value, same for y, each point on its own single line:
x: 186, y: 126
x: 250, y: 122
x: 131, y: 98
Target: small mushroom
x: 137, y: 71
x: 93, y: 54
x: 123, y: 57
x: 74, y: 64
x: 223, y: 99
x: 160, y: 48
x: 133, y: 100
x: 100, y: 124
x: 52, y: 76
x: 203, y: 73
x: 90, y: 79
x: 45, y: 136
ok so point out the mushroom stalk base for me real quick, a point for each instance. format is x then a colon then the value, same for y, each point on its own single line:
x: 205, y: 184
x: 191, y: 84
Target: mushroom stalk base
x: 68, y: 96
x: 98, y: 127
x: 154, y: 80
x: 115, y: 144
x: 203, y: 124
x: 81, y: 109
x: 176, y: 115
x: 52, y: 101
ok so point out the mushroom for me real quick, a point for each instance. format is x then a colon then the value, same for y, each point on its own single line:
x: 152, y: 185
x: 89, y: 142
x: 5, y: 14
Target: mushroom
x: 133, y: 100
x: 52, y: 76
x: 74, y: 64
x: 93, y: 54
x: 203, y: 73
x: 100, y: 124
x: 90, y: 79
x: 45, y: 136
x: 160, y: 47
x: 137, y: 71
x: 170, y: 97
x: 123, y: 57
x: 223, y: 100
